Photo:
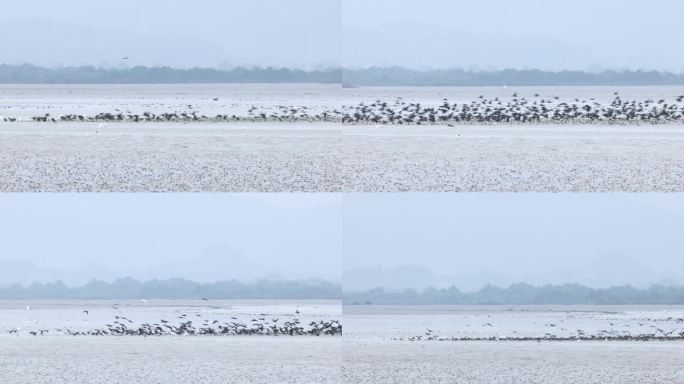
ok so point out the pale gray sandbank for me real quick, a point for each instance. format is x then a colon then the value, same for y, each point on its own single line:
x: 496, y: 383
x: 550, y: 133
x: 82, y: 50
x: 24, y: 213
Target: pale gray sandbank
x: 199, y: 359
x: 512, y: 362
x: 311, y: 157
x: 515, y: 158
x: 171, y: 157
x: 332, y: 360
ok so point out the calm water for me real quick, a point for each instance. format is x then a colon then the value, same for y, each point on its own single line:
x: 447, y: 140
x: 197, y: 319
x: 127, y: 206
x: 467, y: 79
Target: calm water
x: 26, y: 316
x: 24, y: 101
x: 388, y: 322
x: 373, y: 353
x: 30, y: 100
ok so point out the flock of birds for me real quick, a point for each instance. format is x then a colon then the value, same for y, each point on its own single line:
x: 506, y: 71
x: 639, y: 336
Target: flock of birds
x: 646, y: 329
x: 655, y: 333
x: 516, y: 110
x: 483, y: 110
x: 258, y: 326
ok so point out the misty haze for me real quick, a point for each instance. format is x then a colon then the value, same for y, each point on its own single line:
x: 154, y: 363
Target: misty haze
x: 354, y: 33
x: 171, y: 33
x: 204, y: 238
x: 479, y: 191
x: 471, y: 240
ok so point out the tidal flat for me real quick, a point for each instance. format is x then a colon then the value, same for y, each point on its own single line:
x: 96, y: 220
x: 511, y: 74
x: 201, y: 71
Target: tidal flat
x: 307, y: 153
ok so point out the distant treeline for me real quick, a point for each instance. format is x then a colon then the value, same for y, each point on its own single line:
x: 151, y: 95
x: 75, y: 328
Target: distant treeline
x: 521, y: 293
x: 29, y: 74
x: 508, y: 77
x: 129, y: 288
x: 524, y: 294
x: 390, y: 76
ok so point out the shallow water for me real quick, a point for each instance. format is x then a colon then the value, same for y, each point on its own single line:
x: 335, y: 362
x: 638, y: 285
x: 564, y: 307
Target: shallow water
x: 82, y: 315
x: 56, y: 357
x: 376, y: 349
x: 370, y: 322
x: 170, y: 360
x: 28, y: 100
x: 513, y: 362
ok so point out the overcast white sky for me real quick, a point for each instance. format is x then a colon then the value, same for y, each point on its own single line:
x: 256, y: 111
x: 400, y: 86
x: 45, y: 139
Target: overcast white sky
x: 495, y: 34
x: 479, y: 34
x: 179, y: 33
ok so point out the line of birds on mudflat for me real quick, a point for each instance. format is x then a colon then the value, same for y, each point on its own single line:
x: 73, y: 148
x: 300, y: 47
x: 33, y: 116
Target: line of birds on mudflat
x: 658, y: 334
x: 261, y: 326
x: 400, y: 112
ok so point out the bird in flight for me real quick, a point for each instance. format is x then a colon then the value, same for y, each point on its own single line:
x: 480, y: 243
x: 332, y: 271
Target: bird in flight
x: 125, y: 58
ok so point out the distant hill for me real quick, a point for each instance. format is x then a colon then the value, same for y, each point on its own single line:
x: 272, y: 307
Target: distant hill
x: 380, y: 76
x: 604, y: 270
x: 396, y: 278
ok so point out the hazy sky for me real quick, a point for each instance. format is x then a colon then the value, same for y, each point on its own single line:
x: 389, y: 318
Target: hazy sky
x: 484, y: 34
x: 577, y: 34
x: 464, y: 239
x: 474, y: 239
x: 299, y: 33
x: 203, y: 237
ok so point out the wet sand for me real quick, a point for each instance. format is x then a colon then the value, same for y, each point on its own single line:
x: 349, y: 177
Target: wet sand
x: 170, y: 360
x: 310, y: 157
x: 513, y: 362
x: 331, y: 360
x: 175, y: 158
x: 543, y: 158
